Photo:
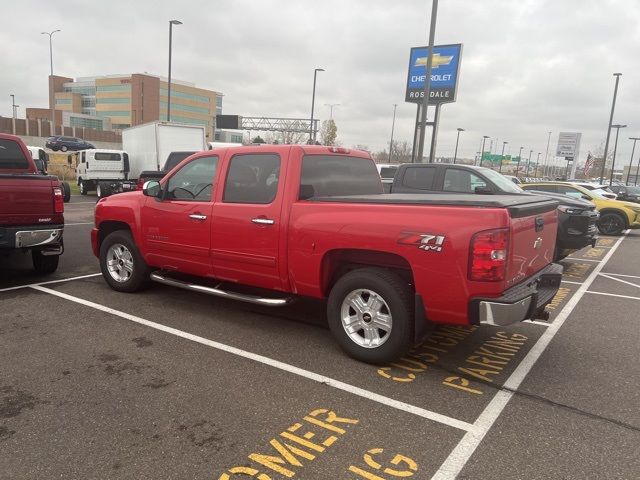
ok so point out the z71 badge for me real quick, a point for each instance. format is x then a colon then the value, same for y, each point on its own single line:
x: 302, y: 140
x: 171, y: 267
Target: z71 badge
x: 424, y: 241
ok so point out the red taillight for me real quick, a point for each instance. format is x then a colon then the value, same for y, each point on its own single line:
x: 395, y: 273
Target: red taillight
x: 488, y: 255
x: 58, y: 200
x: 140, y: 184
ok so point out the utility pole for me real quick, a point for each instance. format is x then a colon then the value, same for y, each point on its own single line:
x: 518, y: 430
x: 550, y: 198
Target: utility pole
x: 427, y: 83
x: 455, y: 155
x: 393, y: 124
x: 14, y: 106
x: 631, y: 161
x: 546, y: 156
x: 606, y: 143
x: 502, y: 156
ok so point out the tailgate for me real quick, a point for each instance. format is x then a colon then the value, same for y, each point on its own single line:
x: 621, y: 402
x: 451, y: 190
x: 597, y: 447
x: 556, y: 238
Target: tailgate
x: 26, y: 200
x: 533, y: 238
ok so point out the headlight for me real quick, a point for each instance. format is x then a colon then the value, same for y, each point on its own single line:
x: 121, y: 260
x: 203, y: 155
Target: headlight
x: 570, y: 210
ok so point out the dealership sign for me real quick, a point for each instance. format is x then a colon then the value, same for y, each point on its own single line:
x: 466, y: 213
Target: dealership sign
x: 445, y: 69
x: 568, y: 144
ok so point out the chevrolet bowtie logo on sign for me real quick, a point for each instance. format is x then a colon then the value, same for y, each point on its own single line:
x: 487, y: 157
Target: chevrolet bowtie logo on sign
x: 445, y: 67
x: 435, y: 63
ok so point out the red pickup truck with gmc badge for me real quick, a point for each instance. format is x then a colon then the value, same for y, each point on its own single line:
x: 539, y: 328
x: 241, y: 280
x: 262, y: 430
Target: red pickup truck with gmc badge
x: 311, y: 221
x: 31, y: 207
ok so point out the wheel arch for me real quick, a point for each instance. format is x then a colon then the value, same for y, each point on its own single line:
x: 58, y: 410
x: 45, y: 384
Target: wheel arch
x: 618, y: 212
x: 110, y: 226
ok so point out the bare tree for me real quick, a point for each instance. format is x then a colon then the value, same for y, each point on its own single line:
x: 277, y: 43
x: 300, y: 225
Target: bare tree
x: 328, y: 132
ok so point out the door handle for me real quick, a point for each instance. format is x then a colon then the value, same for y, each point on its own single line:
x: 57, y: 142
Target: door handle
x: 263, y: 221
x: 197, y: 216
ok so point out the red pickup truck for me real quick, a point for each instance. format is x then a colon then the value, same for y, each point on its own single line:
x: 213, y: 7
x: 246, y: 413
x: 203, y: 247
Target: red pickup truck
x: 313, y: 221
x: 31, y: 207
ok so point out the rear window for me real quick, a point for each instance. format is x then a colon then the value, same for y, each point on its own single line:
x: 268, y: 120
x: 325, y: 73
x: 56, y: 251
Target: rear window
x: 388, y: 172
x: 107, y: 156
x: 337, y: 176
x: 12, y: 156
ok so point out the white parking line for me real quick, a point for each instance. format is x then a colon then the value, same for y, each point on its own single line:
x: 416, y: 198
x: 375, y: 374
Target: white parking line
x: 461, y: 454
x: 50, y: 282
x: 74, y: 224
x: 390, y: 402
x: 620, y: 275
x: 571, y: 282
x: 613, y: 295
x: 537, y: 322
x: 619, y: 280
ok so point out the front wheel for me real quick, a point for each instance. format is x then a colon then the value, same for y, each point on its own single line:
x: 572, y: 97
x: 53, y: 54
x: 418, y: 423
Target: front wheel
x: 64, y: 148
x: 370, y: 313
x: 44, y: 263
x: 121, y: 264
x: 611, y: 224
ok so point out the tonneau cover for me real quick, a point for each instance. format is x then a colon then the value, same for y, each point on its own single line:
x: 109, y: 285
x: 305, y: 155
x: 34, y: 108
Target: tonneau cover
x: 518, y: 205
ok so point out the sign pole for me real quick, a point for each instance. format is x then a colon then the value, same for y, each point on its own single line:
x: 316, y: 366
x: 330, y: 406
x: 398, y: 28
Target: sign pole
x: 427, y: 81
x: 434, y: 134
x: 415, y: 134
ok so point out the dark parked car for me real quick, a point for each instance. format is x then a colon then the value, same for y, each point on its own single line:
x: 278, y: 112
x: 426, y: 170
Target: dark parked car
x: 576, y: 218
x: 67, y: 143
x: 626, y: 193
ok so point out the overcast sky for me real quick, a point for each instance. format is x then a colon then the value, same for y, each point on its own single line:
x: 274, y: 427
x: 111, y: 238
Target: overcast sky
x: 528, y: 66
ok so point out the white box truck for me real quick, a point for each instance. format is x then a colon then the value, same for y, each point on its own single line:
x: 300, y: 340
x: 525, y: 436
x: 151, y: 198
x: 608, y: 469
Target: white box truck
x: 144, y: 148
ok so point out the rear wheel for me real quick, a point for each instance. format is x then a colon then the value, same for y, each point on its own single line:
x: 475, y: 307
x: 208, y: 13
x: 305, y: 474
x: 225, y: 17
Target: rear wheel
x: 44, y: 263
x: 611, y: 224
x: 64, y: 148
x: 370, y: 313
x: 66, y: 191
x: 83, y: 187
x: 121, y: 264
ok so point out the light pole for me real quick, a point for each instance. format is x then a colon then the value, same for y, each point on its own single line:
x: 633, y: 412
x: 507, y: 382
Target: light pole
x: 606, y: 143
x: 393, y: 125
x: 484, y: 139
x: 526, y: 173
x: 631, y: 161
x: 535, y: 172
x: 13, y: 105
x: 313, y: 102
x: 52, y: 100
x: 546, y: 155
x: 171, y: 24
x: 331, y: 105
x: 502, y: 156
x: 455, y: 154
x: 615, y: 148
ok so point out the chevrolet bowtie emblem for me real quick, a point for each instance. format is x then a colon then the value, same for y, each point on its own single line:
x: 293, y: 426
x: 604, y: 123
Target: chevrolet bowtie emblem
x: 436, y: 62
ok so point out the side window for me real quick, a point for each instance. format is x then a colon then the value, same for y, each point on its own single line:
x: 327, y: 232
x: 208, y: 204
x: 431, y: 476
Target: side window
x: 193, y: 182
x: 252, y: 178
x: 462, y: 181
x: 419, y: 177
x: 82, y: 157
x: 569, y: 191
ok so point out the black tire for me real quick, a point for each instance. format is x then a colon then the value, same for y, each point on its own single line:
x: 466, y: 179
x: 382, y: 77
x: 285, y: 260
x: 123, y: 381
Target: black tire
x: 83, y: 187
x: 139, y: 275
x: 44, y: 263
x: 611, y: 224
x: 398, y: 298
x: 64, y: 148
x: 66, y: 191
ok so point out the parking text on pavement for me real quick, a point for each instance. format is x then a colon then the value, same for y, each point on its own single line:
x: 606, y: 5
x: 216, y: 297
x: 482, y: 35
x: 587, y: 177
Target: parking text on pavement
x: 394, y: 466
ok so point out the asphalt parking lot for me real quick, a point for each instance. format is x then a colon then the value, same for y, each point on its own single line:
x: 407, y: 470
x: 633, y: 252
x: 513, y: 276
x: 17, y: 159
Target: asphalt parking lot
x: 173, y: 384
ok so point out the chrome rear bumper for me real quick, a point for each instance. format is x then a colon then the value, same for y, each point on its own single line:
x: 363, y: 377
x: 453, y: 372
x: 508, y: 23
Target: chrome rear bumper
x: 37, y: 238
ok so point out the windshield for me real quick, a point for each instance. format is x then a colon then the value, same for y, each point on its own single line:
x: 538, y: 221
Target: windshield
x: 502, y: 182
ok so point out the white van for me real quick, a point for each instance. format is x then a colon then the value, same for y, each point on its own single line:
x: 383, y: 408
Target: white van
x: 105, y: 171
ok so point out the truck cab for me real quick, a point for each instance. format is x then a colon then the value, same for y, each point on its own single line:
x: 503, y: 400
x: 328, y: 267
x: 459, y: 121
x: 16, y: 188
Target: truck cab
x: 97, y: 167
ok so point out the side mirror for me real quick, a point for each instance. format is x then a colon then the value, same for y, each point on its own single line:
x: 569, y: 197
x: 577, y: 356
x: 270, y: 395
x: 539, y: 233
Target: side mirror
x: 151, y: 188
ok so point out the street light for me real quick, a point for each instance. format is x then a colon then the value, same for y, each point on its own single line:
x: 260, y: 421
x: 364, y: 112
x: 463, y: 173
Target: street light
x: 519, y: 160
x: 606, y: 143
x: 171, y: 24
x: 13, y: 104
x: 52, y: 100
x: 484, y: 139
x: 535, y: 172
x: 502, y: 156
x: 546, y: 155
x: 331, y: 105
x: 526, y: 173
x: 313, y: 102
x: 615, y: 148
x: 631, y: 161
x: 393, y: 124
x: 455, y: 155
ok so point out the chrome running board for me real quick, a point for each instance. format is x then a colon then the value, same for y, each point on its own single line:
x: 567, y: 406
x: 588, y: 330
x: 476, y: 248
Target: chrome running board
x: 269, y: 302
